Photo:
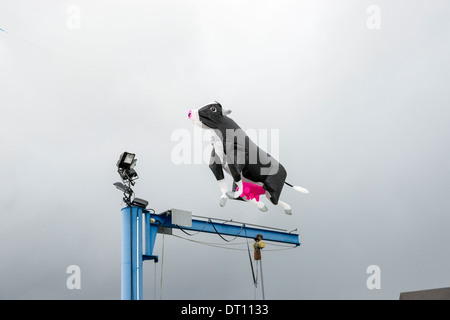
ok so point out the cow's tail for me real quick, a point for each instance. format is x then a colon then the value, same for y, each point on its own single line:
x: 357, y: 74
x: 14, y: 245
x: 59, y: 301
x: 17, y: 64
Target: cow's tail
x: 297, y: 188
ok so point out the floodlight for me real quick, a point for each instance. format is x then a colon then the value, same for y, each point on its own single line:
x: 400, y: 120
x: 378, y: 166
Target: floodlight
x: 140, y: 203
x: 123, y: 188
x: 126, y: 161
x: 128, y: 175
x: 133, y: 164
x: 131, y: 174
x: 125, y: 168
x: 126, y: 164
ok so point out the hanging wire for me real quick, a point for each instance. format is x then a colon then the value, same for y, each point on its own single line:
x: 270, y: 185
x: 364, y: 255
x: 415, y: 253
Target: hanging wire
x: 214, y: 227
x: 192, y: 234
x: 226, y: 240
x: 242, y: 227
x: 262, y: 280
x: 255, y: 279
x: 226, y: 245
x: 212, y: 244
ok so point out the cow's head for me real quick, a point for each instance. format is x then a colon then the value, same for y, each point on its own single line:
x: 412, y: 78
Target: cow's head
x: 208, y: 116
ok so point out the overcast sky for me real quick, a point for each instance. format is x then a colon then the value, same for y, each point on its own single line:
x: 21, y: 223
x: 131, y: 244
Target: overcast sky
x: 362, y: 109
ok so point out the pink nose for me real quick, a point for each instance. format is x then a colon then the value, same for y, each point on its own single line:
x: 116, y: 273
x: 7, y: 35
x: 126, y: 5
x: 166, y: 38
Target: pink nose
x: 190, y: 114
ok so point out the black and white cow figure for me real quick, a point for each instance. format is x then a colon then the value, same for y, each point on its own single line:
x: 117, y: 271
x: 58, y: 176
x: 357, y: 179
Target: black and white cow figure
x: 253, y: 170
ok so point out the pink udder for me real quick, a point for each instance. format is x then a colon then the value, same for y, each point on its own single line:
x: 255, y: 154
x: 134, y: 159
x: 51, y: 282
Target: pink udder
x: 252, y: 191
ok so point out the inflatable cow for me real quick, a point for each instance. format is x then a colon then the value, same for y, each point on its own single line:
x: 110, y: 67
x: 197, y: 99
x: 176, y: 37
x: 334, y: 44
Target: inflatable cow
x: 254, y: 171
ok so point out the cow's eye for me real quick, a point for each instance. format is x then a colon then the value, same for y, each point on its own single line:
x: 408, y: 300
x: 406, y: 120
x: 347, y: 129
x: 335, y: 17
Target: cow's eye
x: 213, y: 109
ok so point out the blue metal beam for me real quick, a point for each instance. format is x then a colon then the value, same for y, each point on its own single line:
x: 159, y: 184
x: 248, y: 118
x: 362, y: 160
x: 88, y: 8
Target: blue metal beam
x: 228, y: 229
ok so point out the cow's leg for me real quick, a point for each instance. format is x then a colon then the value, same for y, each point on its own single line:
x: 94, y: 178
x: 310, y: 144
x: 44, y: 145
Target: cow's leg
x: 236, y: 194
x: 287, y: 208
x: 216, y: 167
x: 234, y: 188
x: 236, y: 155
x: 261, y: 206
x: 224, y: 189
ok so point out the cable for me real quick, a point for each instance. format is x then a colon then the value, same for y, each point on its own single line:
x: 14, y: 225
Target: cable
x: 26, y: 42
x: 262, y: 280
x: 216, y: 245
x: 209, y: 220
x: 255, y: 280
x: 220, y: 235
x: 224, y: 245
x: 214, y: 227
x: 192, y: 234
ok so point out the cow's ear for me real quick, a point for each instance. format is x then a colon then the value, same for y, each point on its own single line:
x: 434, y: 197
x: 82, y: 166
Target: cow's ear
x: 226, y: 112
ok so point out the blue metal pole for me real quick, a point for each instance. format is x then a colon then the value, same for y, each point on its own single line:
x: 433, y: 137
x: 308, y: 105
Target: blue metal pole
x: 137, y: 253
x: 131, y: 278
x: 126, y: 285
x: 148, y: 247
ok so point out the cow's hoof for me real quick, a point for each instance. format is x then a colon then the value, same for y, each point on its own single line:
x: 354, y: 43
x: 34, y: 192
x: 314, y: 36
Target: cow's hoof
x: 223, y: 201
x: 232, y: 195
x: 262, y: 207
x: 288, y: 212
